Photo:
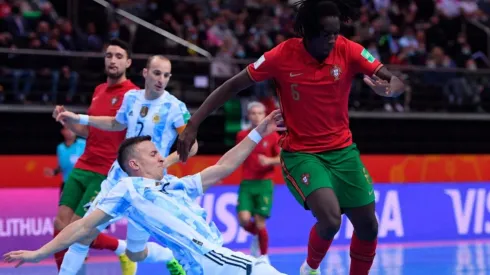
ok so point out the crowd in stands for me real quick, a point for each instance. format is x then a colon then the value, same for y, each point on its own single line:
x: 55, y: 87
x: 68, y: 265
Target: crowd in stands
x: 433, y: 34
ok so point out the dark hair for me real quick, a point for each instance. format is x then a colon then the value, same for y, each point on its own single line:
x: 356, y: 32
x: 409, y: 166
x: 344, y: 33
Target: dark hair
x: 150, y: 59
x: 123, y: 45
x: 309, y: 12
x: 126, y: 149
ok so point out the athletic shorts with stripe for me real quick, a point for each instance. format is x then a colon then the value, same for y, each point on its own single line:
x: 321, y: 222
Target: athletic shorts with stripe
x: 223, y: 261
x: 341, y: 170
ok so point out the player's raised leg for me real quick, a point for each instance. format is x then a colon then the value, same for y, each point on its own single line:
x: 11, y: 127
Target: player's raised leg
x: 311, y: 184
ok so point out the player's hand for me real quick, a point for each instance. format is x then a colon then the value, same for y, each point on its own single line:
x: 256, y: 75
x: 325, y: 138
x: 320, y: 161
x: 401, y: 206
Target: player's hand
x: 264, y: 161
x: 271, y: 123
x: 57, y: 110
x: 23, y: 256
x: 48, y: 172
x: 384, y: 88
x: 68, y: 117
x: 186, y: 140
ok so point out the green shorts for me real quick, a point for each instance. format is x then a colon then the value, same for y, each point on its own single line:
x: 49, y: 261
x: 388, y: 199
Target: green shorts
x: 80, y: 189
x: 341, y: 170
x: 255, y: 196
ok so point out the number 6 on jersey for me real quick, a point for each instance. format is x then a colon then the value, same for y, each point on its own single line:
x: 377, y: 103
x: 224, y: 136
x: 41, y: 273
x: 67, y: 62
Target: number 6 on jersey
x: 294, y: 92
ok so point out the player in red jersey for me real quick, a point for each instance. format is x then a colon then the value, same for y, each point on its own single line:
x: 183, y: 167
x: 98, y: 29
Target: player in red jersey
x: 256, y: 188
x: 321, y: 164
x: 92, y: 167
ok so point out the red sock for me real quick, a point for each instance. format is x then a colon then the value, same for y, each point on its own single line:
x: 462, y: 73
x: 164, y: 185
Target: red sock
x: 361, y: 255
x: 58, y: 256
x: 251, y: 228
x: 263, y: 240
x: 317, y: 248
x: 104, y: 241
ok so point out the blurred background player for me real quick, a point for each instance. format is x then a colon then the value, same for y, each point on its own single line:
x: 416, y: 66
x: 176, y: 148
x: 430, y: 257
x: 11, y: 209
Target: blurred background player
x: 152, y: 111
x: 84, y: 181
x: 256, y: 189
x: 321, y: 164
x: 67, y: 154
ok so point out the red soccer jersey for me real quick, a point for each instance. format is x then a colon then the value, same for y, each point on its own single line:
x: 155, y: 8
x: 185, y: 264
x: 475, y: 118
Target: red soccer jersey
x: 101, y: 148
x: 269, y: 147
x: 314, y: 96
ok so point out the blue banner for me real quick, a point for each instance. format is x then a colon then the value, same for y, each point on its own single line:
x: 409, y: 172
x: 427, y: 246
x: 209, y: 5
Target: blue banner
x: 406, y: 213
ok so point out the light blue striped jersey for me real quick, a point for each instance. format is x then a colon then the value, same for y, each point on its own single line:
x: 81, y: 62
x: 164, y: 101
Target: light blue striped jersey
x: 159, y: 118
x: 168, y: 211
x: 68, y: 156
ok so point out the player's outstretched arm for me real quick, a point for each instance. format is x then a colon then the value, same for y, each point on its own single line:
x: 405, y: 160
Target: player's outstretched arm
x: 107, y: 123
x: 68, y: 236
x: 216, y: 99
x: 230, y: 161
x: 174, y: 157
x: 79, y: 130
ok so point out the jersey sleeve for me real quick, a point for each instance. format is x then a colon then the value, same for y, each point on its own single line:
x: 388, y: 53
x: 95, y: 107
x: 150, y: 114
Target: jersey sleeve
x: 180, y: 117
x: 117, y: 200
x: 122, y: 113
x: 361, y: 60
x: 193, y: 185
x: 265, y: 67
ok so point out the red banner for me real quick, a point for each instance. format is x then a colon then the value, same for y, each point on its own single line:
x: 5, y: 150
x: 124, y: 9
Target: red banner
x: 27, y: 171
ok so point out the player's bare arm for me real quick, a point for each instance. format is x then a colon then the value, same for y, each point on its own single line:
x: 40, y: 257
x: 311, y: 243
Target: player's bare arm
x: 106, y: 123
x: 269, y: 161
x: 73, y: 233
x: 174, y: 157
x: 230, y: 161
x: 385, y: 83
x: 216, y: 99
x: 79, y: 130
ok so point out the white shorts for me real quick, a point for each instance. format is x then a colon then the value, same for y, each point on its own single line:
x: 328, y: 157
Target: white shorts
x: 223, y: 261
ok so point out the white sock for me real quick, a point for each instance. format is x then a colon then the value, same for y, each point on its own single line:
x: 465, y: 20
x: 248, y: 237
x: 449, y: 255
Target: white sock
x: 158, y: 253
x: 74, y: 258
x: 121, y: 248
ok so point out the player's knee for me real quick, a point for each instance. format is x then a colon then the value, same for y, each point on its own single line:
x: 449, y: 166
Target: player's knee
x: 329, y: 225
x: 259, y: 222
x: 244, y: 218
x: 63, y: 217
x: 367, y: 230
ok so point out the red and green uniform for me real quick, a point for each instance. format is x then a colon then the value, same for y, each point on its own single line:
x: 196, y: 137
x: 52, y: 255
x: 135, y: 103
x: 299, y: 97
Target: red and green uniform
x: 317, y: 148
x: 256, y: 188
x: 83, y: 183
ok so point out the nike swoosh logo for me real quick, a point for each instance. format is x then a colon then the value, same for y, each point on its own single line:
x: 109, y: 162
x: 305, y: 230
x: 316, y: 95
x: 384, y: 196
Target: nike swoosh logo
x: 370, y: 193
x: 293, y: 75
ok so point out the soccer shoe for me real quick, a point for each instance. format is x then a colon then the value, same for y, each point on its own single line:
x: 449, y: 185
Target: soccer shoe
x: 127, y: 266
x: 175, y: 268
x: 307, y: 270
x: 265, y: 259
x: 254, y: 247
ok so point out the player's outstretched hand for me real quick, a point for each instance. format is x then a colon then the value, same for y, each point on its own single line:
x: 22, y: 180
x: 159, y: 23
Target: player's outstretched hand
x: 384, y: 88
x: 68, y: 117
x: 185, y: 141
x: 22, y: 256
x: 57, y: 110
x: 271, y: 123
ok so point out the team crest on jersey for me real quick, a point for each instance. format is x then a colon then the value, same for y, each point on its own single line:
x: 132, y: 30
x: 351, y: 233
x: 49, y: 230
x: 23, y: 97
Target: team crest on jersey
x: 130, y: 113
x: 336, y: 71
x: 144, y: 111
x: 114, y: 100
x: 305, y: 178
x: 265, y: 143
x: 156, y: 118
